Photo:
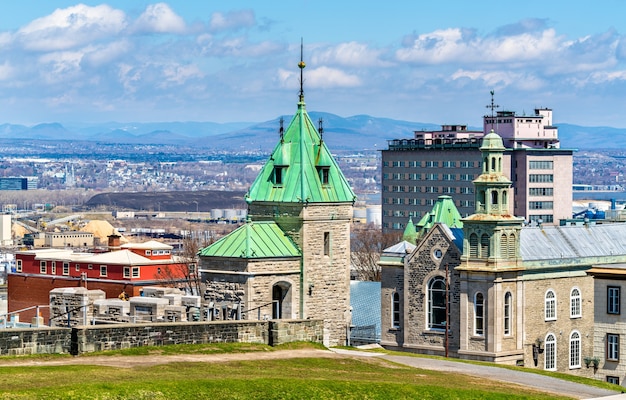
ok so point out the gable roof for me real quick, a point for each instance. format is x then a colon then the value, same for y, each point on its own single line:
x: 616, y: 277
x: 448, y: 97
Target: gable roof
x: 444, y: 212
x: 253, y: 240
x: 300, y: 156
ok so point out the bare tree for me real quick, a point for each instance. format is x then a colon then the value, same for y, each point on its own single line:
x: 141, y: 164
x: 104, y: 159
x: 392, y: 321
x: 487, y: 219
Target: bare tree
x: 184, y: 274
x: 367, y: 243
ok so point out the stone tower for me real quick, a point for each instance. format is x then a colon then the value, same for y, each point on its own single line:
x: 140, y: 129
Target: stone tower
x: 302, y: 191
x: 491, y: 265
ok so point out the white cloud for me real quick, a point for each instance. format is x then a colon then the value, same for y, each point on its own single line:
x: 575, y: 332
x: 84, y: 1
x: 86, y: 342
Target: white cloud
x: 96, y: 56
x: 60, y: 66
x: 231, y: 21
x: 458, y: 45
x: 322, y: 77
x: 6, y: 71
x: 71, y: 27
x: 351, y: 54
x: 159, y: 18
x: 180, y: 74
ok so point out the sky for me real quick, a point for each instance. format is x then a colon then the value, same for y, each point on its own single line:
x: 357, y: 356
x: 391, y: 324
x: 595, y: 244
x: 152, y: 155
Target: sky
x: 237, y: 61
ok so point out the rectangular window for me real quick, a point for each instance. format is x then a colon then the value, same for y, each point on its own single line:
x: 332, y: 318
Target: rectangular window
x: 613, y: 379
x: 540, y: 205
x: 135, y: 272
x: 396, y: 310
x: 540, y: 178
x: 327, y: 243
x: 613, y: 300
x: 126, y: 272
x: 541, y: 192
x: 543, y: 218
x: 324, y: 174
x: 66, y: 268
x: 192, y: 268
x: 18, y: 265
x: 612, y: 347
x: 466, y: 177
x: 541, y: 165
x: 43, y: 269
x: 449, y: 164
x: 103, y: 270
x: 77, y: 267
x: 53, y: 267
x: 432, y: 164
x: 449, y: 177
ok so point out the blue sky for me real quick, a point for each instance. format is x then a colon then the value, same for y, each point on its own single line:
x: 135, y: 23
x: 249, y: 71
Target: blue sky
x: 230, y: 61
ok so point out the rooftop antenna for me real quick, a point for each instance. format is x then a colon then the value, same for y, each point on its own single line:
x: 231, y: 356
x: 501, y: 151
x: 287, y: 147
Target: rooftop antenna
x: 301, y: 65
x: 493, y: 106
x: 281, y: 130
x: 320, y: 129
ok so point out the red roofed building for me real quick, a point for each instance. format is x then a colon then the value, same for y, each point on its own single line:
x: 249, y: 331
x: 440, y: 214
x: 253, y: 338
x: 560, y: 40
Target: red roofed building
x: 125, y: 268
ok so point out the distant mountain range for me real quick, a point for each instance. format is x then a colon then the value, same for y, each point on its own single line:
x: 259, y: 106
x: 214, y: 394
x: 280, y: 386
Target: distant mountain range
x: 354, y: 133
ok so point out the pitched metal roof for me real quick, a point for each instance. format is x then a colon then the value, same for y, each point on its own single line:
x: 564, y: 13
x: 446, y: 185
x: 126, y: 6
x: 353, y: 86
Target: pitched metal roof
x: 308, y: 172
x: 573, y: 242
x: 253, y: 240
x: 444, y: 212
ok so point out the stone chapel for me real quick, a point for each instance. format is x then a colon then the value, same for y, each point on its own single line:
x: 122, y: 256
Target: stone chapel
x: 291, y: 259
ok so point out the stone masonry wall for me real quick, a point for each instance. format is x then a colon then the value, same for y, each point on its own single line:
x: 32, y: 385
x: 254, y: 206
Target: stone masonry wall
x: 109, y: 337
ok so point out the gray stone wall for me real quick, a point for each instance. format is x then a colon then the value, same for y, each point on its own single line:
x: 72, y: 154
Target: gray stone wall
x: 17, y: 342
x: 392, y: 280
x: 421, y: 268
x: 109, y: 337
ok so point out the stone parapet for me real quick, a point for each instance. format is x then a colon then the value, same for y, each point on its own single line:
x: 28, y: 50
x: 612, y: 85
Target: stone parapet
x: 87, y: 339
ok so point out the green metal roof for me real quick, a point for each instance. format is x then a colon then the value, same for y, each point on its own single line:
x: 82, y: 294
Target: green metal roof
x: 444, y: 211
x: 409, y: 234
x: 301, y: 168
x: 253, y: 240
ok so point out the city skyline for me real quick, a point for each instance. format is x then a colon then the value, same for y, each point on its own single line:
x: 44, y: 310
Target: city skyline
x: 237, y: 61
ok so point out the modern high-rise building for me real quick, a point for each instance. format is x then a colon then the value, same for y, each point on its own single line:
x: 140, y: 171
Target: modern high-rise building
x: 418, y: 170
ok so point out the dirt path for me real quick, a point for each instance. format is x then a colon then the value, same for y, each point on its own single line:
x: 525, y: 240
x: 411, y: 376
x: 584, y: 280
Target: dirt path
x: 148, y: 360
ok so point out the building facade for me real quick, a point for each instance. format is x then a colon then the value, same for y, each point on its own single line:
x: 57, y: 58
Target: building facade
x: 416, y: 171
x: 126, y: 268
x: 545, y: 297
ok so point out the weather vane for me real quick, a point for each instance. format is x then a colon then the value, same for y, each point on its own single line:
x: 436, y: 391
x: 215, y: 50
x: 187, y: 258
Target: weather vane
x: 493, y: 106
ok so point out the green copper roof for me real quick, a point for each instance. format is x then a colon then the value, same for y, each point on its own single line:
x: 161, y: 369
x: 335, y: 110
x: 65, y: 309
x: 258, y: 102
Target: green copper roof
x: 253, y: 240
x: 409, y: 234
x: 444, y: 211
x: 301, y: 168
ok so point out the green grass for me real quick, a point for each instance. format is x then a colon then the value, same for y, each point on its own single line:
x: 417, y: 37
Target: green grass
x: 566, y: 377
x: 301, y: 378
x: 308, y: 378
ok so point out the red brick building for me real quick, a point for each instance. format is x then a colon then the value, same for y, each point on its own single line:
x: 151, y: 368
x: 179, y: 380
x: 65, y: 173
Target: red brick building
x: 125, y: 268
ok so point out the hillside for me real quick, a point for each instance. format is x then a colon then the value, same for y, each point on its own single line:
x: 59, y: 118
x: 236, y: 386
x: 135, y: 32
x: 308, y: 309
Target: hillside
x: 202, y: 201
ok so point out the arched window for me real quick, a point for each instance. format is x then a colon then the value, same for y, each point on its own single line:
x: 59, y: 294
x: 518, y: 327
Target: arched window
x: 512, y: 245
x: 574, y: 350
x: 479, y: 314
x: 504, y: 246
x: 493, y: 164
x: 575, y: 310
x: 494, y: 197
x: 507, y: 313
x: 484, y: 246
x: 473, y: 244
x: 550, y: 306
x: 550, y: 353
x: 395, y: 310
x: 486, y: 165
x: 504, y: 200
x: 437, y: 303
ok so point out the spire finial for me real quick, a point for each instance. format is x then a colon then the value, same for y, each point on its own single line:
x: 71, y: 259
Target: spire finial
x: 301, y: 65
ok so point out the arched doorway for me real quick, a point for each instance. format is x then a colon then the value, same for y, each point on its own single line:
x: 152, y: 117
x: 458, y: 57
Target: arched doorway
x: 281, y: 300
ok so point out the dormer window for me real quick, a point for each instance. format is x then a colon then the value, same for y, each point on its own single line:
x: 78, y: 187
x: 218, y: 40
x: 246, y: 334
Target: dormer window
x: 277, y: 174
x: 324, y: 174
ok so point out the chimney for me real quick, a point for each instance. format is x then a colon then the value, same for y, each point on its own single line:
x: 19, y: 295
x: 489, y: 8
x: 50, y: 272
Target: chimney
x: 114, y: 242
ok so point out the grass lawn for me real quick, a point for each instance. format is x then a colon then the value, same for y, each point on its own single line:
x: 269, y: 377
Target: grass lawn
x: 306, y: 378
